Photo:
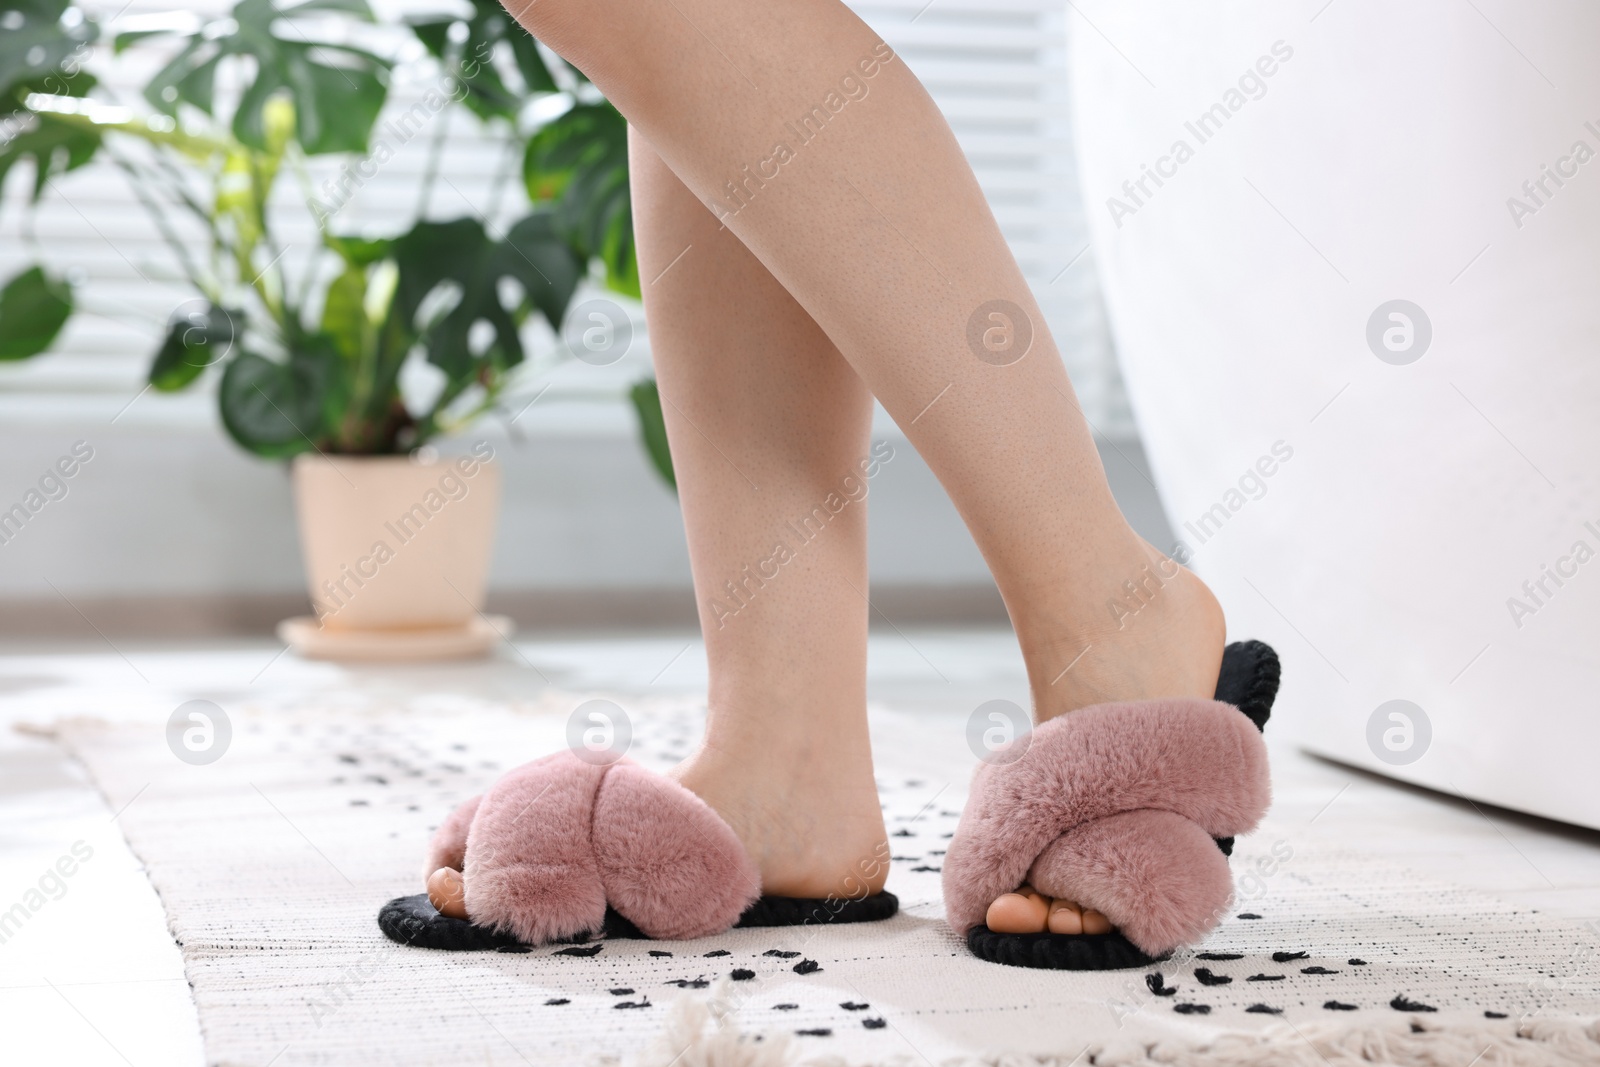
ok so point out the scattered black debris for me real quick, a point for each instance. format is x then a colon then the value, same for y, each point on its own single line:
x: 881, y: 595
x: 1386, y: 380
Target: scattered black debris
x: 1192, y: 1009
x: 1248, y: 915
x: 1219, y: 956
x: 1355, y: 962
x: 624, y: 1004
x: 690, y: 983
x: 1265, y: 978
x: 556, y: 1002
x: 1334, y: 1005
x: 902, y: 832
x: 807, y: 967
x: 949, y: 835
x: 782, y: 954
x: 740, y: 974
x: 347, y: 758
x: 359, y: 804
x: 1400, y: 1003
x: 1494, y: 1015
x: 937, y: 851
x: 718, y: 952
x: 1262, y: 1009
x: 821, y: 1031
x: 1316, y: 970
x: 905, y: 859
x: 1158, y: 985
x: 874, y: 1024
x: 518, y: 949
x: 581, y: 950
x: 851, y: 1005
x: 927, y: 868
x: 620, y: 992
x: 1205, y: 977
x: 784, y: 1007
x: 377, y: 779
x: 1285, y: 957
x: 659, y: 952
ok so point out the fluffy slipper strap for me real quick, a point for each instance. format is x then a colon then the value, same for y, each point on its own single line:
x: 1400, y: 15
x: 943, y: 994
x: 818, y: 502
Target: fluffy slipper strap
x: 1198, y: 759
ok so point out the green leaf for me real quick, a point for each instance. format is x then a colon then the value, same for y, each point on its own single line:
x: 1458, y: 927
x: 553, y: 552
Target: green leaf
x: 535, y: 253
x: 343, y: 318
x: 36, y: 46
x: 473, y: 59
x: 646, y: 397
x: 462, y: 254
x: 358, y: 251
x: 270, y: 408
x: 580, y: 161
x: 337, y: 89
x: 198, y: 336
x: 33, y: 308
x: 55, y: 147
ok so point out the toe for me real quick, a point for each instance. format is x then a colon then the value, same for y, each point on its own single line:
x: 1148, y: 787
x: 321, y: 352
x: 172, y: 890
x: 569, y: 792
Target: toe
x: 1023, y: 912
x: 1095, y: 923
x: 448, y: 893
x: 1065, y: 917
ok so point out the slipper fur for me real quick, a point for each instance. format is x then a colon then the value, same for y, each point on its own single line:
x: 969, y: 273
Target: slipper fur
x: 1121, y: 808
x: 551, y: 843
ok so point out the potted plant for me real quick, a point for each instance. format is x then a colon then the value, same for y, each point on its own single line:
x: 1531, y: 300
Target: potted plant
x: 310, y: 366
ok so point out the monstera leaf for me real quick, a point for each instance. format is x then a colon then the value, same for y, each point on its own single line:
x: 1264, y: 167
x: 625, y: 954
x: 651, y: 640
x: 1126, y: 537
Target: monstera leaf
x: 40, y: 45
x: 337, y: 89
x: 646, y: 397
x: 580, y: 161
x: 199, y: 335
x: 276, y: 408
x: 33, y: 308
x: 490, y: 33
x: 459, y: 255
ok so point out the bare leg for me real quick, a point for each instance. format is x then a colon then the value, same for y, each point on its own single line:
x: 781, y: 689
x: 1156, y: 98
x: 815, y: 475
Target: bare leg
x: 827, y: 159
x: 766, y: 422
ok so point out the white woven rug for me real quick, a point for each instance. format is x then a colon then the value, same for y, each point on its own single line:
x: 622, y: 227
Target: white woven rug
x: 273, y: 861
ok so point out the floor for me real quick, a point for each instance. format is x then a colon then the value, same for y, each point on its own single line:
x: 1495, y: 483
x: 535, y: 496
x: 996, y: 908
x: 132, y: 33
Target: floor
x: 90, y: 975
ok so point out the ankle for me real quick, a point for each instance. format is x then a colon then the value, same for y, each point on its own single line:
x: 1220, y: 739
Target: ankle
x: 1157, y: 632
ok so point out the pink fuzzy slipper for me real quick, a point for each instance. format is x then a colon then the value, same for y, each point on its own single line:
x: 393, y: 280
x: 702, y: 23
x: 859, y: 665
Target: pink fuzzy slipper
x: 1129, y: 809
x: 561, y: 849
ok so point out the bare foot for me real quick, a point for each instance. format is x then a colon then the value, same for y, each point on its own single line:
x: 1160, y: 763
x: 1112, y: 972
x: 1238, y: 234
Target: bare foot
x: 1160, y: 635
x: 807, y: 812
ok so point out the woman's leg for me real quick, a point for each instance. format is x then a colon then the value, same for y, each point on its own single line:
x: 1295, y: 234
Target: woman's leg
x: 768, y: 424
x: 829, y: 161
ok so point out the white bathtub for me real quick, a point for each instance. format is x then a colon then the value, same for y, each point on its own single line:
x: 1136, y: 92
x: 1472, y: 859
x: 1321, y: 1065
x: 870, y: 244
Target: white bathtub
x: 1385, y: 556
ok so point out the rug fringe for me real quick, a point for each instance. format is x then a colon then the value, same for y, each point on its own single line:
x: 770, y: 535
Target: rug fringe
x: 702, y: 1033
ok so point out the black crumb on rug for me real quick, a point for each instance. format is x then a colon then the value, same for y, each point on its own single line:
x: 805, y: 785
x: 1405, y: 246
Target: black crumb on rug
x: 1316, y: 970
x: 821, y: 1031
x: 874, y: 1024
x: 1400, y: 1003
x: 1334, y: 1005
x: 809, y: 967
x: 1219, y: 956
x: 1286, y: 957
x: 1192, y: 1009
x: 1204, y: 976
x: 1157, y: 983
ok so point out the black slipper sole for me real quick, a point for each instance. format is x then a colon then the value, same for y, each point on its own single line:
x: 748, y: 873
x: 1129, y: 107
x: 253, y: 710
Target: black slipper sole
x: 415, y: 921
x: 1249, y: 681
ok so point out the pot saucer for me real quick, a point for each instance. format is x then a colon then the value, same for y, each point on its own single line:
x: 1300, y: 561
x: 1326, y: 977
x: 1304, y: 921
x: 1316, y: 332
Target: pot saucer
x: 476, y: 638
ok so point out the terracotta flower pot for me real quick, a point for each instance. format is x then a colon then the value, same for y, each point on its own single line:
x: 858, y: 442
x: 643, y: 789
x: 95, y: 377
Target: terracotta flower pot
x: 396, y: 546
